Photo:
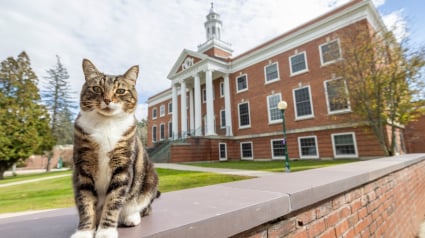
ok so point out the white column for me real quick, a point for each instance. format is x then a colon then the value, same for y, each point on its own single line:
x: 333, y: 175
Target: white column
x: 191, y: 116
x: 198, y: 100
x: 183, y: 109
x: 227, y: 106
x: 175, y: 118
x: 210, y: 103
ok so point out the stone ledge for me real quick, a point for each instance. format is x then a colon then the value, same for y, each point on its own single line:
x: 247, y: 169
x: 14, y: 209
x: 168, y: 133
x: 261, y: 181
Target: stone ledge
x: 226, y: 209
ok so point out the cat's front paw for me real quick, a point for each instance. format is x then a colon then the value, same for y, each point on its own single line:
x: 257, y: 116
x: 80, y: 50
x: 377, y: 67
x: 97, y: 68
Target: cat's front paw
x: 132, y: 220
x: 83, y: 234
x: 107, y: 233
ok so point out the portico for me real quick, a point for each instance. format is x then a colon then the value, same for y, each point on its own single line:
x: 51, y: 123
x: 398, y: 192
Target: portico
x: 187, y: 84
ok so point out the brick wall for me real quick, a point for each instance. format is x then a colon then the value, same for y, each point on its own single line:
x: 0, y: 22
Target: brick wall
x: 415, y: 136
x: 391, y: 206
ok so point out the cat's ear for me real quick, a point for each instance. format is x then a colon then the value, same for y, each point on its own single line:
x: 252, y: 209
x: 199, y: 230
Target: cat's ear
x: 90, y: 71
x: 131, y: 74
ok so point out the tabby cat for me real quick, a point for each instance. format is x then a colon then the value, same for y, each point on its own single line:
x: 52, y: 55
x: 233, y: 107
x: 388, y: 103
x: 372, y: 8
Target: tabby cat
x: 114, y: 181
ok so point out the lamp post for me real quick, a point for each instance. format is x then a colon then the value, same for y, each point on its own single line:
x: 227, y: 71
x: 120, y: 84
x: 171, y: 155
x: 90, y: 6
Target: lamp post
x: 282, y: 105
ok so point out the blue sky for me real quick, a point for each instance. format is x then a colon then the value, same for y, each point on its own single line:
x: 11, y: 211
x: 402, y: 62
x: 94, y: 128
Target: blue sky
x: 115, y: 35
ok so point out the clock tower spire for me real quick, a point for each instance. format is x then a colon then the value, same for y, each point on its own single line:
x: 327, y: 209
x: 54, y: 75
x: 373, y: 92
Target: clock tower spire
x: 214, y: 46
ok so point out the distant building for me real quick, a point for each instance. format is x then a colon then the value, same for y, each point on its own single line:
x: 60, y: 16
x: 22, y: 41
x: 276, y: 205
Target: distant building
x: 225, y: 107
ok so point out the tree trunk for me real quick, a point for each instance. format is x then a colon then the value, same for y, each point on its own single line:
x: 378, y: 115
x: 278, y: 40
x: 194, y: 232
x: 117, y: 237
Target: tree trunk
x: 3, y: 169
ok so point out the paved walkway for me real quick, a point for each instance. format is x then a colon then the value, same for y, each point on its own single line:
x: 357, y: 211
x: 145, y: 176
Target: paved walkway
x: 254, y: 173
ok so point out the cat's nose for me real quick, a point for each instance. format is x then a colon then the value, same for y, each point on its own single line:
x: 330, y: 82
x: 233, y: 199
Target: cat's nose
x: 107, y: 101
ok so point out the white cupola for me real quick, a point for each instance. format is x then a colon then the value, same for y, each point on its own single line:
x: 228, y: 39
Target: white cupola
x: 214, y: 46
x: 213, y: 24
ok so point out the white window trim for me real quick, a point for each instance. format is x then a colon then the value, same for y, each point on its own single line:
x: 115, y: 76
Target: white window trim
x: 221, y: 118
x: 154, y: 115
x: 272, y: 149
x: 225, y: 150
x: 221, y: 91
x: 300, y: 149
x: 245, y: 89
x: 170, y: 105
x: 239, y: 116
x: 295, y: 104
x: 355, y: 155
x: 204, y: 95
x: 252, y: 150
x: 268, y: 109
x: 301, y: 71
x: 265, y: 73
x: 161, y: 138
x: 347, y: 110
x: 321, y: 54
x: 156, y: 134
x: 162, y: 112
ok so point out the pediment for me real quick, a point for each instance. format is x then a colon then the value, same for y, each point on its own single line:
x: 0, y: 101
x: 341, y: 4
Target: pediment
x: 186, y: 60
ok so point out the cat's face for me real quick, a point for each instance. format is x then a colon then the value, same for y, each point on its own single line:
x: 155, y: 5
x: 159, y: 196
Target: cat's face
x: 108, y: 95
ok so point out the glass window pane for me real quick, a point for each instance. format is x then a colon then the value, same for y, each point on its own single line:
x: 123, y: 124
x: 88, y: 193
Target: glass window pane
x: 244, y: 114
x: 308, y: 146
x: 271, y: 72
x: 298, y: 63
x: 344, y: 144
x: 246, y: 150
x: 278, y: 148
x: 275, y: 113
x: 302, y: 101
x: 242, y: 82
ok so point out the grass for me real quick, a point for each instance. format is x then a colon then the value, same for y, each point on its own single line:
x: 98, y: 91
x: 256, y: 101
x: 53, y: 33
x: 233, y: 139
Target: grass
x: 23, y: 177
x: 273, y: 166
x: 57, y: 192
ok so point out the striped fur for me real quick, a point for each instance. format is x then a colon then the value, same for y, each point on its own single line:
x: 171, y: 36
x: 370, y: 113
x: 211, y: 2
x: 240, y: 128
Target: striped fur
x: 114, y: 181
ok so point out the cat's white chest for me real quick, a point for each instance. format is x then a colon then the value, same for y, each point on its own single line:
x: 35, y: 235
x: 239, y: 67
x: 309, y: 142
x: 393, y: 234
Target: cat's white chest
x: 106, y: 132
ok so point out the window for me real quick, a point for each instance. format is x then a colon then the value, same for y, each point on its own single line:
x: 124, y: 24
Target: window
x: 221, y: 89
x: 278, y: 149
x: 170, y: 108
x: 154, y: 113
x: 275, y: 115
x: 271, y: 73
x: 204, y: 95
x: 337, y: 96
x: 329, y: 52
x: 302, y: 101
x: 170, y: 129
x: 244, y: 120
x: 298, y: 63
x: 162, y: 110
x: 162, y: 131
x: 222, y: 119
x: 154, y: 134
x: 344, y: 145
x: 308, y: 147
x: 246, y: 150
x: 222, y: 151
x: 242, y: 83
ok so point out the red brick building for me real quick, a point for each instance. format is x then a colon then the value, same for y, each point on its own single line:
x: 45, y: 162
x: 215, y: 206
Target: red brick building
x: 229, y: 108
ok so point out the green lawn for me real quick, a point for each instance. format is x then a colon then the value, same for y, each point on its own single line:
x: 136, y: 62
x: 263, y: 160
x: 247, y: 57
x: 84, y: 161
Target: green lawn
x: 10, y: 179
x: 57, y: 193
x: 275, y: 165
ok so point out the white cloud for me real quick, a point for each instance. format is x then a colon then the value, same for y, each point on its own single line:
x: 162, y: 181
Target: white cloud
x: 118, y: 34
x: 396, y: 22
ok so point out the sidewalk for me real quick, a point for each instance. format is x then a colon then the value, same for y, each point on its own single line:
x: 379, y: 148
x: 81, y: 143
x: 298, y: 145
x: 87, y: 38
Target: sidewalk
x: 253, y: 173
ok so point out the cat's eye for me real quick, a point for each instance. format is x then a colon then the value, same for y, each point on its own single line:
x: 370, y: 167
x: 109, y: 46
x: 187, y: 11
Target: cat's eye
x: 97, y: 89
x: 120, y: 91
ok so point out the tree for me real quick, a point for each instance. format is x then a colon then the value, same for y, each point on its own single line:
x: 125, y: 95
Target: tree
x: 57, y: 96
x: 383, y: 80
x: 24, y: 122
x: 142, y: 127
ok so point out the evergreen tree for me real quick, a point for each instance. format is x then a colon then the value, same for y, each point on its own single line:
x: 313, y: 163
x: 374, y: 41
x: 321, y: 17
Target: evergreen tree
x: 24, y: 121
x: 57, y: 96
